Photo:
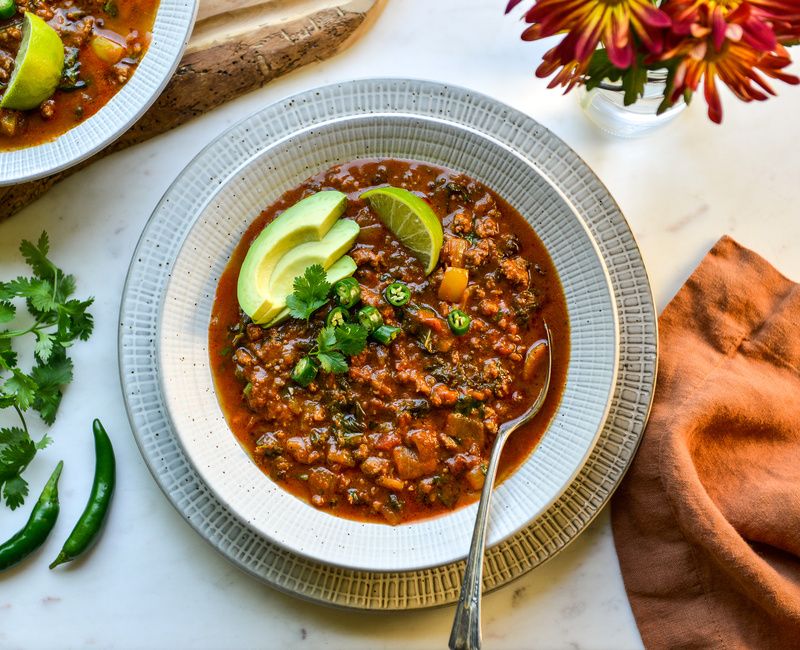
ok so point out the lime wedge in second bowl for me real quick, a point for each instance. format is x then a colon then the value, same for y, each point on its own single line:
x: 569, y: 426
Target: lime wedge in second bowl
x: 412, y: 221
x: 38, y: 66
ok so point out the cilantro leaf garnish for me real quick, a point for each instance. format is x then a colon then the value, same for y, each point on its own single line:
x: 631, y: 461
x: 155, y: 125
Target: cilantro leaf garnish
x: 16, y: 452
x: 326, y: 339
x: 7, y: 311
x: 58, y: 321
x: 8, y: 358
x: 44, y: 345
x: 310, y: 292
x: 36, y: 256
x: 50, y: 376
x: 333, y: 362
x: 334, y: 344
x: 21, y: 388
x: 11, y: 436
x: 14, y: 492
x: 351, y: 338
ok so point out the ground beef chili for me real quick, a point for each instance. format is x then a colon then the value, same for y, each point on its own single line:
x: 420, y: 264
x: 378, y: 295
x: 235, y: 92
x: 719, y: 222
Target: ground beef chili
x: 89, y: 81
x: 406, y: 433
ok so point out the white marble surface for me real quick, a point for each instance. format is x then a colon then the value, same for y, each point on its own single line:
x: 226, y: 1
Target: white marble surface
x: 153, y: 582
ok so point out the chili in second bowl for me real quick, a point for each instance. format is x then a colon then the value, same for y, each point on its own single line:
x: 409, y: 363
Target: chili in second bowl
x: 103, y: 42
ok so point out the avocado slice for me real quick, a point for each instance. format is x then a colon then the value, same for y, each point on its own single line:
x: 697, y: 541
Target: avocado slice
x: 324, y: 252
x: 342, y: 268
x: 307, y: 220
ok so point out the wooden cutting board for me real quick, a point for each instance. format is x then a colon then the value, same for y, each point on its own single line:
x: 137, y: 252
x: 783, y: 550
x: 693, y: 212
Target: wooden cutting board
x: 237, y: 46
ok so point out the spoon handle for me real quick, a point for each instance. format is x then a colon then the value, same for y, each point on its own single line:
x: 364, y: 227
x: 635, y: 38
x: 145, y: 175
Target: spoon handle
x: 466, y: 632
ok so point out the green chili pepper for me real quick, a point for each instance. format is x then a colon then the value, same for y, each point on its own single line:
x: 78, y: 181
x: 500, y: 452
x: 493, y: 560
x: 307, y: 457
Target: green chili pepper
x: 397, y: 294
x: 40, y: 523
x: 386, y: 334
x: 304, y: 372
x: 458, y: 322
x: 336, y: 317
x: 347, y: 292
x: 7, y: 8
x: 90, y: 523
x: 370, y: 318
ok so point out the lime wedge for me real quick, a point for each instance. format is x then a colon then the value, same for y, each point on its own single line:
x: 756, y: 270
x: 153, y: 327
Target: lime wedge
x: 38, y: 67
x: 412, y: 221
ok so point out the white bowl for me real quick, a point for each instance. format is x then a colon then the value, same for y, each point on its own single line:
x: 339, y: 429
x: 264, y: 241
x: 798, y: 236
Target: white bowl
x: 171, y: 30
x: 182, y: 338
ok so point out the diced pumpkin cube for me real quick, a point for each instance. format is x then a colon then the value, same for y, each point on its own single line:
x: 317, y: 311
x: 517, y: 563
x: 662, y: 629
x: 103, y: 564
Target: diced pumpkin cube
x: 454, y: 283
x: 107, y: 50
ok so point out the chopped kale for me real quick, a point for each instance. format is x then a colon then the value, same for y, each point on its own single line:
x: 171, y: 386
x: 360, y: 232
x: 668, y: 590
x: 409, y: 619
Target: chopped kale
x: 457, y: 189
x: 466, y: 405
x: 70, y: 78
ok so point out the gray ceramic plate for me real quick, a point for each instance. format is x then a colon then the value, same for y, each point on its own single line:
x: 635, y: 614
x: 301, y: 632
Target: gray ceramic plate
x: 171, y: 30
x: 186, y: 243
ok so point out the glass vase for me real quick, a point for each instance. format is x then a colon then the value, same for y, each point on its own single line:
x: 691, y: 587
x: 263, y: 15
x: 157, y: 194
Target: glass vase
x: 605, y: 107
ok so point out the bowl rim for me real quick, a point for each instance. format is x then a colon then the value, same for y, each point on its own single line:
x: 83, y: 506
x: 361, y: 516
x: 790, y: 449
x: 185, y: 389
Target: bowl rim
x: 205, y: 473
x: 172, y: 28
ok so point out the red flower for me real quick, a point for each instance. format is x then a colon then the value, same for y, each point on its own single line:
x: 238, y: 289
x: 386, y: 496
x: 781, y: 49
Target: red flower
x: 589, y: 23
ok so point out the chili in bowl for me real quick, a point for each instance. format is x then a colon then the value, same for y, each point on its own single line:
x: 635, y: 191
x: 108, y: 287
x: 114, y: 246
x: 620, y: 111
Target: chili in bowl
x: 337, y: 382
x: 75, y: 74
x: 404, y: 431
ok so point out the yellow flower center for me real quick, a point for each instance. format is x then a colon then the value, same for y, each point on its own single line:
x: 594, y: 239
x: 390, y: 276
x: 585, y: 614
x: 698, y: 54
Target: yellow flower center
x: 727, y: 5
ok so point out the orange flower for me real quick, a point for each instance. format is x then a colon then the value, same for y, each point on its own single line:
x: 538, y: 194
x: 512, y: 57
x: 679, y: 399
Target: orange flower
x: 781, y: 18
x: 589, y: 23
x: 782, y: 15
x: 737, y: 20
x: 731, y: 41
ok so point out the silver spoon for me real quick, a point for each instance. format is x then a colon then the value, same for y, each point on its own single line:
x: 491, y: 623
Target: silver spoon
x: 466, y: 632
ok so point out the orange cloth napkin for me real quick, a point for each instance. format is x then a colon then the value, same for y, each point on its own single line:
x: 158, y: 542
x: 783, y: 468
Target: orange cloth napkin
x: 707, y: 522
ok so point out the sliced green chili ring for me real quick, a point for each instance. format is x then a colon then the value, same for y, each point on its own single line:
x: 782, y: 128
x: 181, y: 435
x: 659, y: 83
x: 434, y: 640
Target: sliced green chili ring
x: 304, y: 372
x: 458, y: 322
x: 397, y: 294
x: 386, y: 334
x: 90, y: 523
x: 370, y: 318
x: 337, y: 317
x: 347, y: 292
x: 7, y: 8
x: 40, y: 523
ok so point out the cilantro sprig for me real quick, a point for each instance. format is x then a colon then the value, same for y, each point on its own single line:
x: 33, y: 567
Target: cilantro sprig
x: 58, y: 321
x: 311, y: 291
x: 335, y: 344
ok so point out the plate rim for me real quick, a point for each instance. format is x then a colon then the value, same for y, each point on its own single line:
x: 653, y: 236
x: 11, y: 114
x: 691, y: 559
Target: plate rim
x: 648, y: 305
x: 203, y: 472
